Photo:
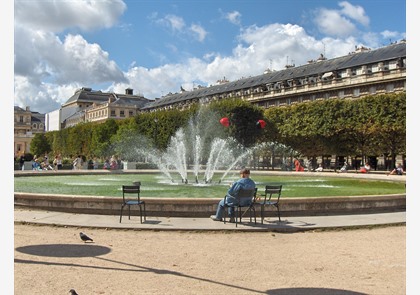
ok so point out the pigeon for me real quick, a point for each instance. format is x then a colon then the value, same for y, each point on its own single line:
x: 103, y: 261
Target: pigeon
x: 73, y: 292
x: 84, y: 237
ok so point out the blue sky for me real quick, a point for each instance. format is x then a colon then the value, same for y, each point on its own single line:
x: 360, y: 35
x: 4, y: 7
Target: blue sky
x: 156, y: 46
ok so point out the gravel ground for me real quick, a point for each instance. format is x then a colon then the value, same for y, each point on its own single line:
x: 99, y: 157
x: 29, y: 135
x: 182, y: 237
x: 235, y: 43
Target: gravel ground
x: 52, y: 260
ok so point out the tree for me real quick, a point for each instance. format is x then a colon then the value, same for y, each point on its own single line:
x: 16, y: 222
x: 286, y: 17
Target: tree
x: 39, y: 144
x: 101, y: 143
x: 243, y: 118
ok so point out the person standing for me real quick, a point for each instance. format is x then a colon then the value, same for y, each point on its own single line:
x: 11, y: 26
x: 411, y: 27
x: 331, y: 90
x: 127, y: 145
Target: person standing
x: 78, y: 163
x: 22, y: 161
x: 58, y: 162
x: 95, y: 163
x: 245, y: 182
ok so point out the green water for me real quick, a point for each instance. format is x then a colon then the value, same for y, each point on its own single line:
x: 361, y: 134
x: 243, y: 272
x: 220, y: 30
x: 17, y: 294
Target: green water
x: 155, y: 186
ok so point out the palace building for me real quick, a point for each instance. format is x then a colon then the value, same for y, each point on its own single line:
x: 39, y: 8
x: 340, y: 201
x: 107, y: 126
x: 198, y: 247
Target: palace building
x: 360, y: 73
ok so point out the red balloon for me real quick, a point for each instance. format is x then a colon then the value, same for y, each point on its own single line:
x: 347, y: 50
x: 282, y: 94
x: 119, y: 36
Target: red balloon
x: 261, y: 124
x: 224, y: 121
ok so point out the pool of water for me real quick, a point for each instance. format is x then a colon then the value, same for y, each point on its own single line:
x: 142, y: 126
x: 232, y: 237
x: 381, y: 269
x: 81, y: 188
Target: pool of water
x: 157, y: 186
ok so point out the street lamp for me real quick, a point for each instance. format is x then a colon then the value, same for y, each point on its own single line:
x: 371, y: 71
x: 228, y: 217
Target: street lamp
x: 155, y: 130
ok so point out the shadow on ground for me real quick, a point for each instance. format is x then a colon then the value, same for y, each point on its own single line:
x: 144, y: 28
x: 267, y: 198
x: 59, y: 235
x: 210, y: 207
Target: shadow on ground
x: 65, y: 250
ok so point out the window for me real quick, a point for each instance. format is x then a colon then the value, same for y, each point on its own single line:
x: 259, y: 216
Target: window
x: 390, y: 88
x: 113, y: 113
x: 122, y: 113
x: 356, y: 92
x: 372, y: 89
x: 130, y: 113
x: 341, y: 94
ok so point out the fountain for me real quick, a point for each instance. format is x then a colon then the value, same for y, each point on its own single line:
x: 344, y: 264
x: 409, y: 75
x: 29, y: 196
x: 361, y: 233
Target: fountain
x: 195, y: 152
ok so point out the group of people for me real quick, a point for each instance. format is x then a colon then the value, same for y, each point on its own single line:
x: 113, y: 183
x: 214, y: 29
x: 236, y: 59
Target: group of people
x: 44, y: 165
x: 77, y: 163
x: 111, y: 164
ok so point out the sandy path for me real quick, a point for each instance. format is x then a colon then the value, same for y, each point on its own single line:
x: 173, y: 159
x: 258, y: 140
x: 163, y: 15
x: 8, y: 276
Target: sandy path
x: 51, y: 260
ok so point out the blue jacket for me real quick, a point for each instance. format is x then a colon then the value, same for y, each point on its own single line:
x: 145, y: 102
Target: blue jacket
x: 245, y: 183
x: 36, y: 166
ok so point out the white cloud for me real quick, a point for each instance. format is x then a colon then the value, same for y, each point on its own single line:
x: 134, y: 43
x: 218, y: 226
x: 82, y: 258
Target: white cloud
x: 260, y: 47
x: 45, y: 65
x: 356, y: 13
x: 234, y: 17
x: 332, y: 22
x: 41, y: 97
x: 72, y: 60
x: 199, y: 32
x: 176, y: 23
x: 178, y: 26
x: 390, y: 34
x: 343, y: 22
x: 56, y: 15
x: 48, y: 69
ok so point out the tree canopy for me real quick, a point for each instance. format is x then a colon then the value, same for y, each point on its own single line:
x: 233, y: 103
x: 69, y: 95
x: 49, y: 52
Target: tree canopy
x: 373, y: 125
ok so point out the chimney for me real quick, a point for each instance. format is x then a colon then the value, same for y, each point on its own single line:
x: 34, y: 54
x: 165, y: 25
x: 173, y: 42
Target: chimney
x: 111, y: 98
x: 129, y: 91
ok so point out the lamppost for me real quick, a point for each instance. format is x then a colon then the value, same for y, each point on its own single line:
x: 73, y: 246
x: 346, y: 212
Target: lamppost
x: 155, y: 130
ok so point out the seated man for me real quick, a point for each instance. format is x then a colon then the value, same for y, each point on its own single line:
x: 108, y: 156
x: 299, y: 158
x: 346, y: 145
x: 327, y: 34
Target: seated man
x: 36, y: 166
x: 243, y: 183
x: 344, y: 168
x: 397, y: 170
x: 365, y: 169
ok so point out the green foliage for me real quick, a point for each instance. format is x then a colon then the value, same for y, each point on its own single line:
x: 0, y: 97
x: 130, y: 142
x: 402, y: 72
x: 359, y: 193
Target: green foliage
x: 101, y: 143
x: 40, y: 144
x: 374, y: 125
x: 243, y: 118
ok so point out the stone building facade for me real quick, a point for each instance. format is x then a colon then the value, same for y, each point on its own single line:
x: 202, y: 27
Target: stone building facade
x: 360, y: 73
x: 26, y: 125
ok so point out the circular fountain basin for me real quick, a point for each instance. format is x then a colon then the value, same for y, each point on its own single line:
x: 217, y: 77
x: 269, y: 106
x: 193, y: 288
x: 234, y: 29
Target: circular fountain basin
x: 203, y: 207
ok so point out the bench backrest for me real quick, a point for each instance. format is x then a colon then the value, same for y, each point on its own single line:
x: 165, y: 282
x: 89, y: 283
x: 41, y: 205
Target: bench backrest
x: 131, y: 189
x: 246, y: 196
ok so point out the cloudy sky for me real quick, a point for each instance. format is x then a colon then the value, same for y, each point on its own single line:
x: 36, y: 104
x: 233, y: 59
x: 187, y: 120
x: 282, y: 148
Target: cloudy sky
x: 155, y: 47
